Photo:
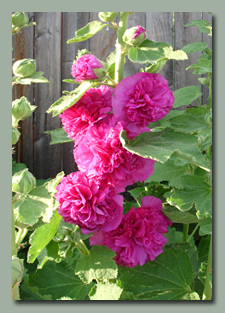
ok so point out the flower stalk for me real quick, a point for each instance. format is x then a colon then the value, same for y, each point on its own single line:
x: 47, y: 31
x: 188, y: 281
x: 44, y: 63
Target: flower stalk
x: 120, y: 47
x: 207, y: 293
x: 185, y: 232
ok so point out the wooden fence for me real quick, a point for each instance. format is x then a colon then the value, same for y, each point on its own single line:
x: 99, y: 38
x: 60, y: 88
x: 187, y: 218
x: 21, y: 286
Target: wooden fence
x: 46, y: 43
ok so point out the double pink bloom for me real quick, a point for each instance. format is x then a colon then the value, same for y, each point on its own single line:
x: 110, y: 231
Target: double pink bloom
x: 89, y: 198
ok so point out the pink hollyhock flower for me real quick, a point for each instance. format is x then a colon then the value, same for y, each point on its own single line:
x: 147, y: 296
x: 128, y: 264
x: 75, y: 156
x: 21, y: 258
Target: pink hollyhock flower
x: 141, y: 99
x: 92, y: 107
x: 100, y: 153
x: 139, y: 237
x: 86, y: 202
x: 82, y: 69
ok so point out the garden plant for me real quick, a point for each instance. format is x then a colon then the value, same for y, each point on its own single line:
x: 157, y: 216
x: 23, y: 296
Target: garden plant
x: 134, y: 222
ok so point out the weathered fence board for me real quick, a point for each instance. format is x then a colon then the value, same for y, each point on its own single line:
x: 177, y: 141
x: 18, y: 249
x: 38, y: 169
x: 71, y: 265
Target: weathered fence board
x: 23, y: 48
x: 47, y: 44
x: 47, y: 159
x: 70, y: 23
x: 159, y: 27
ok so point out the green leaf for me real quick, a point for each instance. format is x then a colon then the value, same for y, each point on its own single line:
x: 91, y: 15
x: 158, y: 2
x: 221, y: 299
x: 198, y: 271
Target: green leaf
x: 185, y: 96
x: 17, y: 167
x: 160, y: 146
x: 87, y: 31
x: 35, y: 78
x: 168, y: 277
x: 128, y: 205
x: 203, y: 249
x: 203, y: 81
x: 70, y: 81
x: 58, y: 280
x: 105, y: 291
x: 177, y: 216
x: 39, y: 202
x: 167, y: 171
x: 148, y: 51
x: 28, y: 292
x: 204, y: 26
x: 173, y: 236
x: 98, y: 265
x: 111, y: 58
x: 66, y: 102
x: 191, y: 121
x: 58, y: 136
x: 206, y: 226
x: 195, y: 190
x: 201, y: 67
x: 174, y: 55
x: 42, y: 236
x: 194, y: 47
x: 50, y: 252
x: 165, y: 121
x: 192, y: 252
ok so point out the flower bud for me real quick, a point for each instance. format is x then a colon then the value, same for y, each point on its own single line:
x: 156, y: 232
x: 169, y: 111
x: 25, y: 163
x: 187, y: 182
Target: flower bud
x: 21, y: 109
x: 15, y: 135
x: 19, y: 19
x: 107, y: 16
x: 24, y: 68
x: 23, y: 181
x: 88, y: 67
x: 17, y: 271
x: 134, y: 36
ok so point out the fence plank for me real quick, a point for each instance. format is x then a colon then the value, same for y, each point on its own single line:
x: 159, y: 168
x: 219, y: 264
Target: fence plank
x: 103, y: 43
x: 159, y: 26
x: 23, y: 48
x: 47, y: 159
x: 208, y: 39
x: 184, y: 36
x: 72, y: 21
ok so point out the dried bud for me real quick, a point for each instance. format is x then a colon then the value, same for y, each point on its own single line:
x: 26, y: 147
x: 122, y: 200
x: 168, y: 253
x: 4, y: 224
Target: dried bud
x: 23, y: 181
x: 17, y: 271
x: 107, y: 16
x: 134, y: 36
x: 19, y: 19
x: 15, y: 135
x: 21, y: 109
x: 24, y: 68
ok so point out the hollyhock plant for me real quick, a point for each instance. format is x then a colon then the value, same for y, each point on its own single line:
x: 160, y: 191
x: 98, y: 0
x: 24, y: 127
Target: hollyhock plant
x: 92, y: 107
x: 100, y: 153
x: 83, y: 68
x: 139, y: 237
x: 141, y: 99
x: 86, y: 202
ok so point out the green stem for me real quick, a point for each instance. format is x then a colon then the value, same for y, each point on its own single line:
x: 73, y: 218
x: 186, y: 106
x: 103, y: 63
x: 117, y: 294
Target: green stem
x: 82, y: 247
x: 199, y: 101
x: 14, y: 249
x: 192, y: 234
x: 20, y: 236
x: 207, y: 293
x: 15, y: 293
x: 210, y: 92
x: 185, y: 232
x: 120, y: 47
x: 15, y: 290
